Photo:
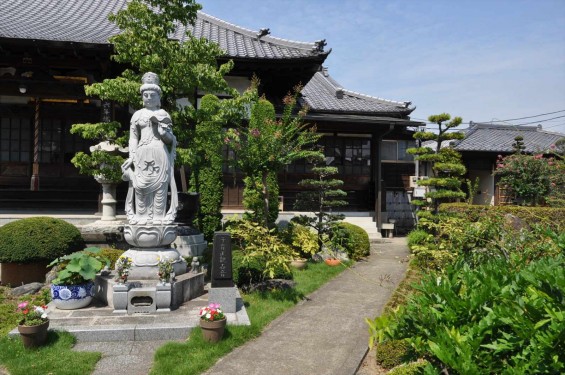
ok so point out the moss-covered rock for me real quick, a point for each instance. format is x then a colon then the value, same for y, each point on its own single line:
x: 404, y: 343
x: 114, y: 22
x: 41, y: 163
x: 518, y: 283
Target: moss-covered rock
x: 38, y: 239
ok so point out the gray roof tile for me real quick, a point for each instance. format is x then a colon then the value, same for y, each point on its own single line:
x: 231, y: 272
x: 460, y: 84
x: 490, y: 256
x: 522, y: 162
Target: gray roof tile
x: 83, y: 21
x: 499, y: 138
x: 324, y: 94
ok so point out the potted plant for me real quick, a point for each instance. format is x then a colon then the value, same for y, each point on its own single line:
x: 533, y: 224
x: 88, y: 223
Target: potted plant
x: 123, y: 265
x: 74, y: 286
x: 213, y: 322
x: 304, y: 243
x: 334, y: 246
x: 33, y: 324
x: 166, y: 272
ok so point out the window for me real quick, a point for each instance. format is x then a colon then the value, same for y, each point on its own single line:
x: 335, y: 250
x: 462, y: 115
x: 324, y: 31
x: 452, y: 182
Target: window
x: 15, y: 139
x: 396, y: 151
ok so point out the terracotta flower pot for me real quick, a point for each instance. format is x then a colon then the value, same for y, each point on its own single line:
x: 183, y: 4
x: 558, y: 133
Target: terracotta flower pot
x: 332, y: 262
x: 33, y: 336
x: 213, y: 331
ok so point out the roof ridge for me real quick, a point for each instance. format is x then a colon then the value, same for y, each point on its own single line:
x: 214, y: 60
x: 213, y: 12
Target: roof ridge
x: 404, y: 103
x: 534, y: 128
x: 337, y: 86
x: 253, y: 33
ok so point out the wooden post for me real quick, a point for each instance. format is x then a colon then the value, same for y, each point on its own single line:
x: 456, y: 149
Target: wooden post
x: 35, y: 171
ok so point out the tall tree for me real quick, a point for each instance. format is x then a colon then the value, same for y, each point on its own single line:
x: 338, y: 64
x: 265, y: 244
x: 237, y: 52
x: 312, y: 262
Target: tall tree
x: 322, y: 194
x: 145, y: 44
x: 267, y: 144
x: 445, y: 184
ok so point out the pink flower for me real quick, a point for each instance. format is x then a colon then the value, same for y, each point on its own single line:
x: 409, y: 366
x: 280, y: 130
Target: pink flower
x: 538, y: 156
x: 255, y: 132
x: 22, y: 305
x: 552, y: 147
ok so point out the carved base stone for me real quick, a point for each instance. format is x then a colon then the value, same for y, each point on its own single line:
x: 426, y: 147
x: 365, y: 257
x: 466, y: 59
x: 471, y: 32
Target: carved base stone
x: 146, y: 262
x: 150, y: 236
x: 226, y: 297
x: 146, y: 296
x: 190, y: 245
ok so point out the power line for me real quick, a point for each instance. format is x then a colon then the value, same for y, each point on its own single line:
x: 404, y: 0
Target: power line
x: 523, y: 118
x: 538, y: 121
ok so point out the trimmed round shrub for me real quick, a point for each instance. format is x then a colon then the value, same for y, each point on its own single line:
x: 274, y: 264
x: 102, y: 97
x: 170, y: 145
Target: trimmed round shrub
x: 38, y: 239
x: 247, y: 273
x: 392, y: 353
x: 356, y: 241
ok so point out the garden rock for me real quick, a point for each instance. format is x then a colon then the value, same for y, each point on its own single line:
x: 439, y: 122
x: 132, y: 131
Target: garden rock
x: 30, y: 288
x: 514, y: 221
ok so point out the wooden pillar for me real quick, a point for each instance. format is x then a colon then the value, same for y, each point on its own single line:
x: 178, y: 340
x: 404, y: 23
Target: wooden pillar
x: 378, y: 178
x: 35, y: 171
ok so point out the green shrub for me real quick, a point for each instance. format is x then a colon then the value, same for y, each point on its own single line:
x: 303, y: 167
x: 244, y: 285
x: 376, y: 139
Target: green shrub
x: 356, y: 241
x: 552, y: 217
x: 412, y: 368
x: 38, y: 239
x: 111, y: 254
x: 392, y: 353
x: 418, y: 237
x: 250, y: 270
x: 500, y: 318
x: 304, y: 241
x: 261, y: 245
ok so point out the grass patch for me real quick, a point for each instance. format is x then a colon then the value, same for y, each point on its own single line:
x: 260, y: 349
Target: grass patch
x: 196, y: 355
x: 55, y: 357
x: 9, y: 304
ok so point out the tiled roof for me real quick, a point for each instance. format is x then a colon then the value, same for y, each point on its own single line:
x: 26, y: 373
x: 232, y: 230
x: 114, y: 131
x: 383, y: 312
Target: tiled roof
x: 499, y: 138
x: 86, y: 21
x: 324, y: 94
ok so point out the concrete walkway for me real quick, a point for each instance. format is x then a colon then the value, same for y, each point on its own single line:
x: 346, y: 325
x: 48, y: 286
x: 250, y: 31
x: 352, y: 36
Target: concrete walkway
x: 325, y: 334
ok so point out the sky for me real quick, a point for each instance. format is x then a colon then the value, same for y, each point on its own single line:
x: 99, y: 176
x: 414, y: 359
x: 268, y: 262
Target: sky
x: 482, y: 60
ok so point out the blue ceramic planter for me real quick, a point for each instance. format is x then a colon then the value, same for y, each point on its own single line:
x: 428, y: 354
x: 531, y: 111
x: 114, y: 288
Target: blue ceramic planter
x: 69, y: 297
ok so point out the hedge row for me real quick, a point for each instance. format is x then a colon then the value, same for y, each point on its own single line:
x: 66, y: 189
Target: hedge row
x: 553, y: 217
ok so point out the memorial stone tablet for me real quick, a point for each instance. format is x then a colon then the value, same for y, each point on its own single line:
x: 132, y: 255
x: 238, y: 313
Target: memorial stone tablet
x: 222, y: 275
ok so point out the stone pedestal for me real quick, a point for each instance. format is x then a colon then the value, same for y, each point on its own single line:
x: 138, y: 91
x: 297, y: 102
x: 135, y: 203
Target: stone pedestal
x: 108, y: 201
x: 226, y: 297
x: 120, y: 298
x: 163, y: 297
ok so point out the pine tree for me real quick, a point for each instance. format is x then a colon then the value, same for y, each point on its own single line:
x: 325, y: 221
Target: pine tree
x: 447, y: 167
x: 321, y: 196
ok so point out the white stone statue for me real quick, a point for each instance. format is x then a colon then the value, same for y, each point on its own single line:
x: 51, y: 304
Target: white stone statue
x: 150, y: 166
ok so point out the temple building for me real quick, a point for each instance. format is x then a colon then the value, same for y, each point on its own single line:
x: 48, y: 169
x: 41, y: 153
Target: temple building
x: 50, y: 50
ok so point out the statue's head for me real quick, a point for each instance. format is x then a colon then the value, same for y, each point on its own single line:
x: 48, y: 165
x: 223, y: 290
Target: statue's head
x: 150, y: 90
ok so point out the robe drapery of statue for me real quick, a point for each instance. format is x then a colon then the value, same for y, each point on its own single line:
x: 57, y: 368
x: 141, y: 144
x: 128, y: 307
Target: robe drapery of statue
x: 150, y: 166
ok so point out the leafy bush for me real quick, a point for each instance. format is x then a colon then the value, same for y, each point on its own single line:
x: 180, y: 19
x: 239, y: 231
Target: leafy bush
x: 249, y: 271
x: 418, y: 237
x: 392, y: 353
x: 303, y: 241
x: 259, y: 244
x: 38, y: 239
x: 490, y: 234
x: 552, y: 217
x: 111, y: 254
x: 355, y: 241
x: 412, y: 368
x: 500, y: 318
